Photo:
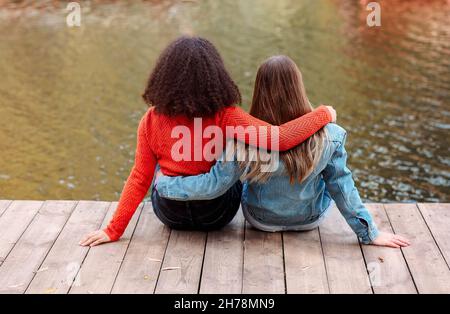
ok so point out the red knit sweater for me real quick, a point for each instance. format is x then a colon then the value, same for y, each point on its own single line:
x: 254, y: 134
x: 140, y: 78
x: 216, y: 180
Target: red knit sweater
x: 154, y: 145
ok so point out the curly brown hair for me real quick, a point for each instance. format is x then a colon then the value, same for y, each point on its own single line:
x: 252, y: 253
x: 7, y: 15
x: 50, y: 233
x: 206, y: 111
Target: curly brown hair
x: 190, y: 79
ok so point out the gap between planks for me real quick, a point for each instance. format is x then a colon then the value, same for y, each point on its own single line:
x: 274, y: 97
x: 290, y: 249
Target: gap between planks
x: 208, y: 258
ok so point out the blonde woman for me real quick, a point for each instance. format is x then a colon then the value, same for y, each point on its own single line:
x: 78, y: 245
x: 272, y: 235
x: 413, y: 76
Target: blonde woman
x: 308, y: 178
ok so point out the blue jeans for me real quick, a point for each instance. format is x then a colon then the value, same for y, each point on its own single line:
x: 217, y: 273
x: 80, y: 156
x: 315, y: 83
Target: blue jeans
x: 204, y: 215
x: 257, y: 224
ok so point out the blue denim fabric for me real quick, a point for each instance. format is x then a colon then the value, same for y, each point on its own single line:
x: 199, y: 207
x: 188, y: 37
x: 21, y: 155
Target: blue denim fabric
x: 277, y: 202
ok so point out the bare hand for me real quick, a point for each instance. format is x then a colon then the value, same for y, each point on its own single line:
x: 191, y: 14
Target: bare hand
x: 94, y: 238
x: 333, y: 114
x: 391, y: 240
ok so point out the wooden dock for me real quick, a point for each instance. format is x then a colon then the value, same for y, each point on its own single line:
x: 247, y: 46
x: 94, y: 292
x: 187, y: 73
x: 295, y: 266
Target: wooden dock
x: 39, y: 253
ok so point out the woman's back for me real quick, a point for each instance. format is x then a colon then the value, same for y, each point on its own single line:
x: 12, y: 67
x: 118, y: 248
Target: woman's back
x: 277, y: 201
x: 279, y: 205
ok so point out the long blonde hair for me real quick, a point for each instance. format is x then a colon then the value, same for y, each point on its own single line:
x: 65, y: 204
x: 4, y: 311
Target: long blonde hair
x: 279, y: 96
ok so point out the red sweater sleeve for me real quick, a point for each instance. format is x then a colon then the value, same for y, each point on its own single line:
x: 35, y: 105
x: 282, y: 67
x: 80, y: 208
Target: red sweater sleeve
x: 262, y: 134
x: 137, y: 185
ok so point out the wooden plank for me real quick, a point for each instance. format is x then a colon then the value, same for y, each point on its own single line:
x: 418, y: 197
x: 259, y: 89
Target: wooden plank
x: 182, y: 265
x: 343, y: 257
x: 4, y: 205
x: 13, y: 223
x: 427, y: 265
x: 304, y: 263
x: 224, y: 256
x: 100, y: 268
x: 142, y: 262
x: 437, y: 217
x: 24, y: 260
x: 263, y: 262
x: 388, y: 271
x: 66, y: 256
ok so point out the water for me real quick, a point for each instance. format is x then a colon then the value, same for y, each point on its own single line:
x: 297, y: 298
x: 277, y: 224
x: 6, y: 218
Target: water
x: 70, y: 97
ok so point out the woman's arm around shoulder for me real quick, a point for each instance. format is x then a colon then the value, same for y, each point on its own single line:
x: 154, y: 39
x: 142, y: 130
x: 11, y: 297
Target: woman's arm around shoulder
x: 246, y: 128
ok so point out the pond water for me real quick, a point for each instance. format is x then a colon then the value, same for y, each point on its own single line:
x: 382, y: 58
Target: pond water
x: 70, y: 97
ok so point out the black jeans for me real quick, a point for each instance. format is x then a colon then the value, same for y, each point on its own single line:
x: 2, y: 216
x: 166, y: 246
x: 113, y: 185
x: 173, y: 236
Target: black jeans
x: 198, y: 215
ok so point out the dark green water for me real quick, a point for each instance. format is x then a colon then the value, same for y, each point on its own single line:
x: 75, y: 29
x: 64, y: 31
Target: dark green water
x: 70, y: 97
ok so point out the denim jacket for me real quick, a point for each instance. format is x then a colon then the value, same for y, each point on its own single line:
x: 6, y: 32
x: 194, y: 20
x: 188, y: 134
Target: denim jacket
x: 277, y: 201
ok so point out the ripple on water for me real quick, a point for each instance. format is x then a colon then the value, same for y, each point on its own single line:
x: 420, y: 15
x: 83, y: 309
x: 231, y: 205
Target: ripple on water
x: 77, y: 98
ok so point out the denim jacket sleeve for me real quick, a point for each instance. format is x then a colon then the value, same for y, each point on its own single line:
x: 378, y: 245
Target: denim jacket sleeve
x: 222, y: 176
x: 340, y: 185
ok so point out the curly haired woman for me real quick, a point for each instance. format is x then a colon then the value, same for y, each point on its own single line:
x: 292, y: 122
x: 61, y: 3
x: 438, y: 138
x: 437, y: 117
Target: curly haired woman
x: 190, y: 81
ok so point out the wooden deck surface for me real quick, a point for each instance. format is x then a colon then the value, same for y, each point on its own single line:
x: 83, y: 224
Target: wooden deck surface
x: 39, y: 253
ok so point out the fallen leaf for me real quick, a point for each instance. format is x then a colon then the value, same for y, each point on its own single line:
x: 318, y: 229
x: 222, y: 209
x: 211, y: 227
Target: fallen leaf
x: 170, y: 268
x: 154, y: 260
x: 50, y: 290
x: 306, y: 267
x: 146, y: 277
